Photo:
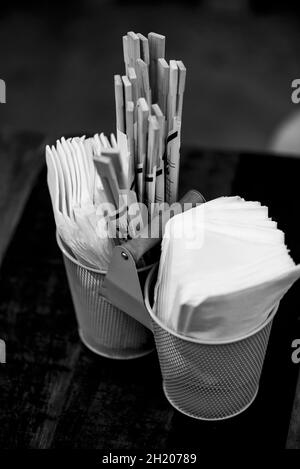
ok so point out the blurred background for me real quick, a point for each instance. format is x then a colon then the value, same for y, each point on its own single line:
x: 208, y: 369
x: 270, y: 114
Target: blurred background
x: 58, y: 59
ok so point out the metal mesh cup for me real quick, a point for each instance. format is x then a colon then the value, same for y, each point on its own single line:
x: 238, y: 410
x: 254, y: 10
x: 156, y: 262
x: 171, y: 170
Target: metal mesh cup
x: 103, y: 328
x: 208, y: 380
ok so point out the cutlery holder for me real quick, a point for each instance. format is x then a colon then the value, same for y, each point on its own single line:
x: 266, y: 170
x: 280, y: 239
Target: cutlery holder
x: 110, y: 308
x: 104, y: 328
x: 208, y: 380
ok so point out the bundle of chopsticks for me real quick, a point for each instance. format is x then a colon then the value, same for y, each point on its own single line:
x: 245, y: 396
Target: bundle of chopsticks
x: 149, y: 101
x: 105, y: 190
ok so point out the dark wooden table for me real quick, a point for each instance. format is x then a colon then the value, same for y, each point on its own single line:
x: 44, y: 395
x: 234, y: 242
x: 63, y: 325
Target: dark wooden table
x: 54, y: 393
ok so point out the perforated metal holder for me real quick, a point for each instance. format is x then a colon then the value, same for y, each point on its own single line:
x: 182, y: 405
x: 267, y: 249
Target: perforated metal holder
x: 104, y: 328
x: 208, y: 380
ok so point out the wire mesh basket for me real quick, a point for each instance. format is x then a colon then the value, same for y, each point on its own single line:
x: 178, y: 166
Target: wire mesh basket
x: 103, y: 328
x: 208, y: 380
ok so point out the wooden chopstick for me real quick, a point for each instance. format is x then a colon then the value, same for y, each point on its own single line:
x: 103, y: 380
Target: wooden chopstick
x: 142, y: 135
x: 143, y: 80
x: 172, y: 95
x: 119, y: 100
x: 127, y: 89
x: 144, y: 48
x: 163, y: 71
x: 126, y: 53
x: 157, y: 50
x: 133, y: 48
x: 181, y: 87
x: 130, y: 140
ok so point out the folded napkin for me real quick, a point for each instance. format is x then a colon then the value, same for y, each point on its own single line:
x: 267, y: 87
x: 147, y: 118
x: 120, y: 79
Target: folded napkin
x: 224, y: 267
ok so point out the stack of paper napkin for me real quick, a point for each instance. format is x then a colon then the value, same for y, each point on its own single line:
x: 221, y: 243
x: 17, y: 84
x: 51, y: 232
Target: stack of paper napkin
x: 224, y: 267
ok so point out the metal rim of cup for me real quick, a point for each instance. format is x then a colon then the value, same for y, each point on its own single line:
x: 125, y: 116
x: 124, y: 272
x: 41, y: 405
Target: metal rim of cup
x: 194, y: 339
x: 63, y: 248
